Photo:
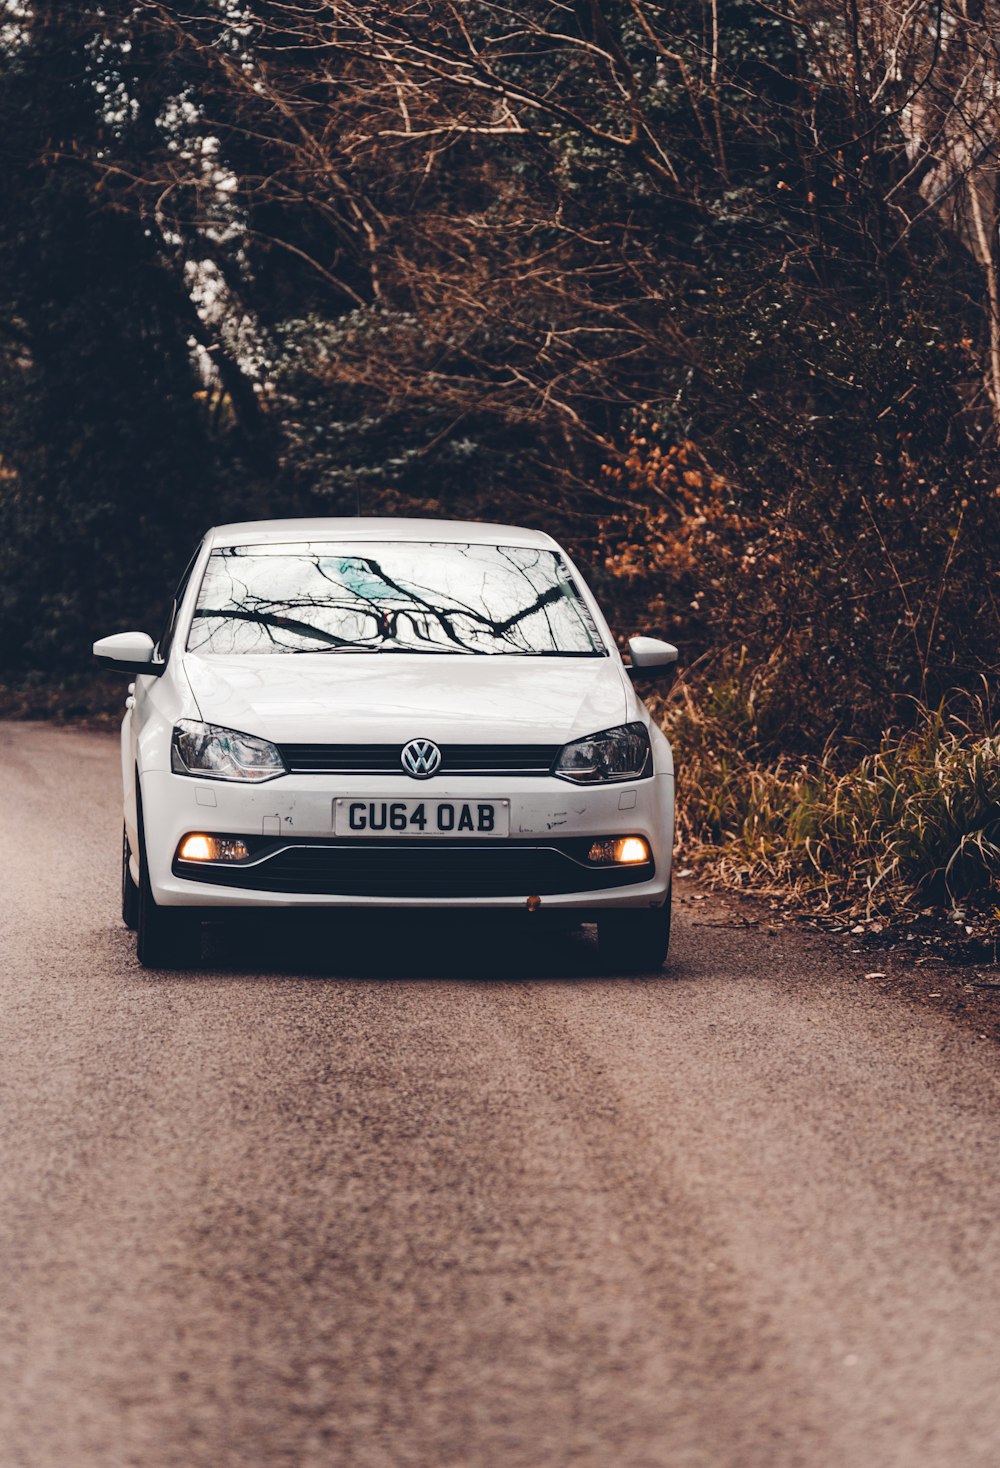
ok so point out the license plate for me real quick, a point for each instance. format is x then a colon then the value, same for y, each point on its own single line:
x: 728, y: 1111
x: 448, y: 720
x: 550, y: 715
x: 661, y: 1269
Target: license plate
x: 364, y: 816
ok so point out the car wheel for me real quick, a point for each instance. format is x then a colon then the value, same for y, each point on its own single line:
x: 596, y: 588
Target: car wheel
x: 634, y: 940
x: 130, y: 892
x: 166, y: 937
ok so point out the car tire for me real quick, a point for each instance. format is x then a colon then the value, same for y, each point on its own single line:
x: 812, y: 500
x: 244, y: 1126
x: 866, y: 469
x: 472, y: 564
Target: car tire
x: 165, y: 937
x: 634, y: 940
x: 130, y: 892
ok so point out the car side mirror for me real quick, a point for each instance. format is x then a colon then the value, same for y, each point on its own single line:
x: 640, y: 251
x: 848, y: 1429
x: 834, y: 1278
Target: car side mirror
x: 128, y: 652
x: 651, y: 658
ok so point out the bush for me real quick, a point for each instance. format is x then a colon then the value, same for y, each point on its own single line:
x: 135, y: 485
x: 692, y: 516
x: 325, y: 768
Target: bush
x: 856, y: 600
x: 914, y: 824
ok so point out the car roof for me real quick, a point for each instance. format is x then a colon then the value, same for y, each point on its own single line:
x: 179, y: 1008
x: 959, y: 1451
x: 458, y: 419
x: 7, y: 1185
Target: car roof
x: 375, y: 527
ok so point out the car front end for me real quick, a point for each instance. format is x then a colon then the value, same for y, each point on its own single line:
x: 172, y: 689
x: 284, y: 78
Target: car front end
x: 385, y: 714
x: 342, y: 824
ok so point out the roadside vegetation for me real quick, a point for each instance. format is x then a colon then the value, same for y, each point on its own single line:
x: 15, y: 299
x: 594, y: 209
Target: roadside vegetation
x: 904, y: 836
x: 709, y: 289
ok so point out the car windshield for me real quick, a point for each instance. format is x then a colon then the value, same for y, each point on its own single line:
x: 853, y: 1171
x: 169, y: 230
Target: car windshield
x: 391, y: 597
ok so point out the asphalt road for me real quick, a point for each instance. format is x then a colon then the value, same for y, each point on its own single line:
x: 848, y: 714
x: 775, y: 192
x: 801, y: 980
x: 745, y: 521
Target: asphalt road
x: 446, y: 1197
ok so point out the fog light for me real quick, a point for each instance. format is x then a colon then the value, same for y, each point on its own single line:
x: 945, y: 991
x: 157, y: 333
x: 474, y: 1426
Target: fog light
x: 619, y: 851
x: 213, y: 848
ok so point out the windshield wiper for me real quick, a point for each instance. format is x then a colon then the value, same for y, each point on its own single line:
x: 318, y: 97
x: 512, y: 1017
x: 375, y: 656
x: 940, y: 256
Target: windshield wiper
x: 448, y: 651
x: 336, y: 647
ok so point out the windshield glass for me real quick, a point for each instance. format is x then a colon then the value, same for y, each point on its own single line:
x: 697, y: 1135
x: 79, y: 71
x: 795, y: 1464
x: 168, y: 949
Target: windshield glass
x: 391, y: 597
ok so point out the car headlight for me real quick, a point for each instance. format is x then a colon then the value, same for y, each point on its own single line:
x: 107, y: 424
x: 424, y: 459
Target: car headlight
x: 622, y: 753
x: 222, y: 754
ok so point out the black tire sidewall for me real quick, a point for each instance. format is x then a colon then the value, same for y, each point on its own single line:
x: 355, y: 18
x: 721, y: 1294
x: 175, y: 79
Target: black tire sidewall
x: 165, y: 937
x: 148, y: 930
x: 130, y: 892
x: 635, y: 939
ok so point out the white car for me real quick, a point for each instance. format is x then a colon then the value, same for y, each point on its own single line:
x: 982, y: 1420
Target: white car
x: 389, y: 713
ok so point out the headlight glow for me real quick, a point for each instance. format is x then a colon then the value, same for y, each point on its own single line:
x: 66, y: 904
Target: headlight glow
x: 222, y: 754
x: 619, y: 851
x: 197, y: 847
x: 621, y: 753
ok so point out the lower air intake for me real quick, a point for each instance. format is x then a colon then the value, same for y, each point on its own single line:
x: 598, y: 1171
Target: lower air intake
x: 416, y: 869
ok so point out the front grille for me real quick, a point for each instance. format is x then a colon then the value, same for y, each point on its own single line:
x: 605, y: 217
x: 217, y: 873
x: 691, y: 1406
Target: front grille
x: 383, y: 759
x: 418, y: 869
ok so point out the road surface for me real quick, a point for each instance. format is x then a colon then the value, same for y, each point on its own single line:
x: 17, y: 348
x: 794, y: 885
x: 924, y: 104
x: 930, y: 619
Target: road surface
x: 448, y: 1198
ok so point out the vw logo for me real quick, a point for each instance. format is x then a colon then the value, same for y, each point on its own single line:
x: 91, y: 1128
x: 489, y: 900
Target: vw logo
x: 420, y: 758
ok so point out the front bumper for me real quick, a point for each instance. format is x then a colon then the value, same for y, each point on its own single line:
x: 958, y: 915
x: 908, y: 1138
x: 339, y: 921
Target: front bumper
x: 291, y: 818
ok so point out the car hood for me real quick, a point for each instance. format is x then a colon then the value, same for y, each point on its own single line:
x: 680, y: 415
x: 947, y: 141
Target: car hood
x: 378, y: 697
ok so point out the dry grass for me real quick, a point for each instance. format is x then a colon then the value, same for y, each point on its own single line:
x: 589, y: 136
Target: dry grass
x: 890, y: 834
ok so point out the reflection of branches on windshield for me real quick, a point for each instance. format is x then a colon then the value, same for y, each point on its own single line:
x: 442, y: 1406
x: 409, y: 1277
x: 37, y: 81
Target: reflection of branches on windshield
x: 409, y: 615
x: 435, y: 613
x: 564, y: 590
x: 387, y: 619
x: 268, y: 620
x: 557, y: 592
x: 374, y: 607
x: 443, y: 615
